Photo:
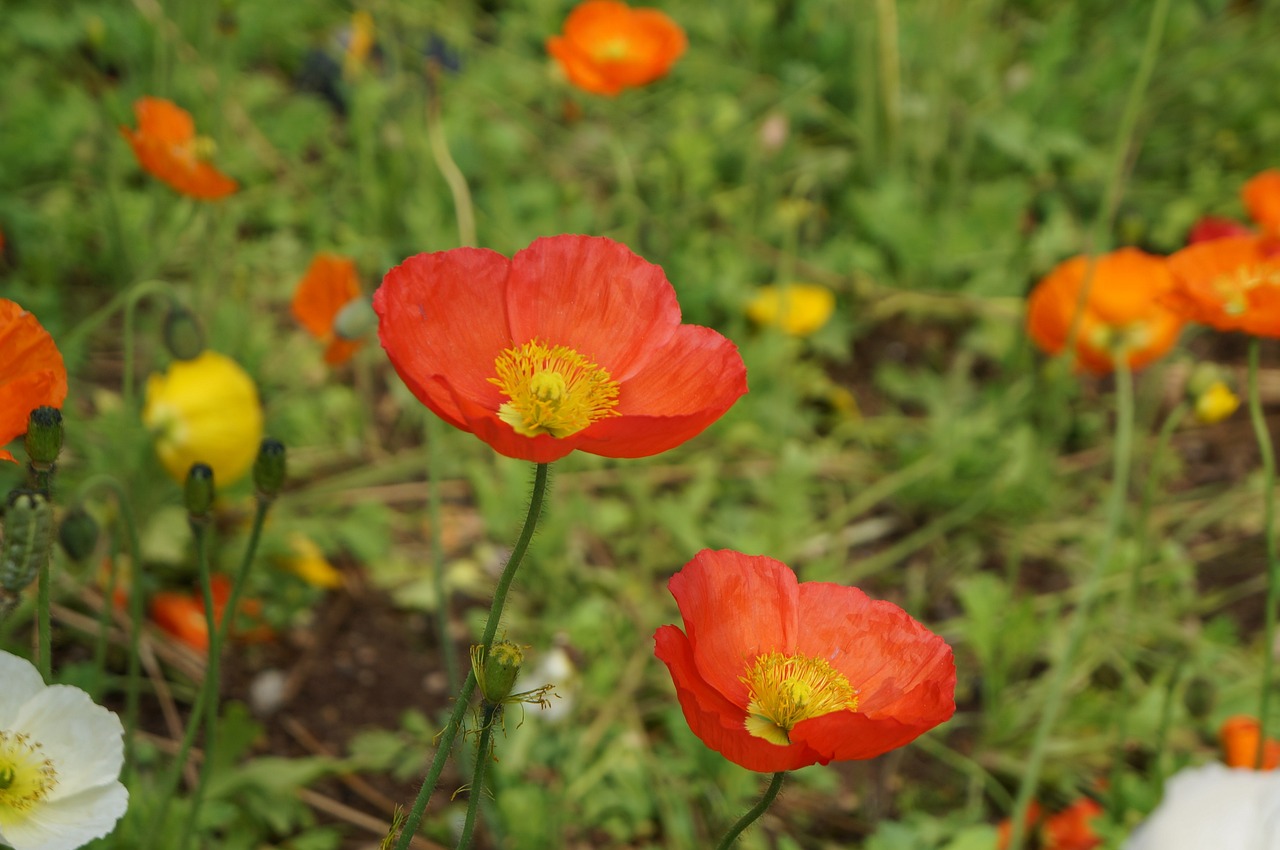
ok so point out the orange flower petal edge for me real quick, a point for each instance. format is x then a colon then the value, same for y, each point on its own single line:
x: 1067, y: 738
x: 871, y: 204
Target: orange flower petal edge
x: 1261, y: 196
x: 607, y: 46
x: 573, y: 343
x: 874, y: 678
x: 330, y: 283
x: 1124, y: 316
x: 32, y: 373
x: 1230, y: 284
x: 166, y: 145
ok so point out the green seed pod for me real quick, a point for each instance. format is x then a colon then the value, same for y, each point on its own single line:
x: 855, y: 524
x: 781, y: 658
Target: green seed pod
x: 183, y: 335
x: 498, y: 670
x: 78, y: 534
x: 28, y: 536
x: 269, y: 469
x: 44, y: 436
x: 198, y: 492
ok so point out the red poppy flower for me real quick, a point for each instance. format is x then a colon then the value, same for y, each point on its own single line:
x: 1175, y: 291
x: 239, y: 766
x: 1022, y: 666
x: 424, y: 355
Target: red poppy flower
x: 1069, y: 829
x: 1231, y: 284
x: 608, y: 46
x: 1261, y: 196
x: 1123, y: 317
x: 182, y: 615
x: 166, y: 145
x: 775, y: 675
x: 329, y: 285
x: 1239, y: 736
x: 31, y: 371
x: 1211, y: 227
x: 573, y: 343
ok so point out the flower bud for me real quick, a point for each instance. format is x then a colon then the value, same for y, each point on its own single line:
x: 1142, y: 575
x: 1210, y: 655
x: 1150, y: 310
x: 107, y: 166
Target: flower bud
x: 269, y: 469
x: 44, y: 436
x: 78, y: 534
x: 1199, y: 697
x: 28, y: 536
x: 198, y: 491
x: 183, y: 335
x: 497, y: 671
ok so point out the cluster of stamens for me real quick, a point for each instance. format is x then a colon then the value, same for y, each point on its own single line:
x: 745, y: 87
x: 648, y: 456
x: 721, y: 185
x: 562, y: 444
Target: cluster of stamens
x: 786, y: 689
x: 552, y: 390
x: 26, y: 775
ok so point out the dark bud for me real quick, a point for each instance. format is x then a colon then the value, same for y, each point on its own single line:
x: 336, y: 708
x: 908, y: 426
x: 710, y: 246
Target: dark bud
x: 269, y: 469
x: 198, y: 492
x: 183, y: 335
x: 1199, y: 697
x: 44, y: 436
x: 78, y: 534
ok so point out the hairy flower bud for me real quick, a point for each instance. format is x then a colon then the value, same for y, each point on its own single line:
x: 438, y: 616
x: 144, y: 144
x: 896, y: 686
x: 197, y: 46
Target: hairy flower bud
x: 183, y: 335
x: 44, y: 436
x: 28, y: 536
x: 198, y: 491
x: 78, y: 534
x: 269, y: 469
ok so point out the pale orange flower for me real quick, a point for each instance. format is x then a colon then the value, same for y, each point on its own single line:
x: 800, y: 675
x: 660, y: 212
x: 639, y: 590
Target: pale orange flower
x: 329, y: 285
x: 166, y: 145
x: 607, y: 46
x: 1230, y: 284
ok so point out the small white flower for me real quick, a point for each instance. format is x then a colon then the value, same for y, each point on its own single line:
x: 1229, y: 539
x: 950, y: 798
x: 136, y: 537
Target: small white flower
x: 1214, y: 806
x: 60, y: 759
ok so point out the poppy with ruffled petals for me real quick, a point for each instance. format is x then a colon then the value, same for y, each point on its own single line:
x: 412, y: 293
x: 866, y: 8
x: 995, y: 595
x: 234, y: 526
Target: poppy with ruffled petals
x: 166, y: 145
x: 775, y: 674
x: 608, y: 46
x: 31, y: 371
x: 1123, y: 318
x: 573, y: 343
x: 330, y: 284
x: 1230, y: 284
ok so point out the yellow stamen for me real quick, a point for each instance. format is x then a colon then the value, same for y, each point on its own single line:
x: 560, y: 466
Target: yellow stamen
x: 26, y: 776
x: 552, y: 390
x: 1234, y: 286
x: 786, y: 689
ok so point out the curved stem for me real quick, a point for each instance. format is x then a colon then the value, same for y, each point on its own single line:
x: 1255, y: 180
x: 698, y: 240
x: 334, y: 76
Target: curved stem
x: 1080, y: 616
x: 536, y: 498
x: 449, y: 170
x: 1259, y: 420
x: 477, y: 775
x: 135, y: 609
x: 770, y: 794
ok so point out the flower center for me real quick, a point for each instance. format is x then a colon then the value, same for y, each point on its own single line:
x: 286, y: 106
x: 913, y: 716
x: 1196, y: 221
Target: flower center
x: 786, y: 689
x: 1119, y: 340
x: 1234, y: 286
x: 552, y: 390
x: 26, y: 776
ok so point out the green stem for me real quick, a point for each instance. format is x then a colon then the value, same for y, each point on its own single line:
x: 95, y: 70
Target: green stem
x: 212, y: 676
x: 536, y: 498
x: 1260, y: 430
x: 134, y: 678
x: 1080, y: 616
x: 477, y: 775
x: 770, y: 794
x: 128, y: 300
x: 44, y: 655
x: 463, y: 209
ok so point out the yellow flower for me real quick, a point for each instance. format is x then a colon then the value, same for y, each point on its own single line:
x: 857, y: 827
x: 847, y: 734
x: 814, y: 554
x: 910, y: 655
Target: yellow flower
x: 799, y: 309
x: 1216, y: 403
x: 205, y: 411
x: 308, y: 563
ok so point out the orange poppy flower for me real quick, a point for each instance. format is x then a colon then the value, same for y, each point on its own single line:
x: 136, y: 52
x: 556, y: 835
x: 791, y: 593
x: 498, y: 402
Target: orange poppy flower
x: 166, y: 145
x: 1239, y: 737
x: 1231, y: 284
x: 329, y: 285
x: 608, y: 46
x: 573, y: 343
x: 31, y: 372
x: 1069, y: 829
x: 1261, y: 196
x: 873, y: 678
x: 1123, y: 317
x: 182, y: 614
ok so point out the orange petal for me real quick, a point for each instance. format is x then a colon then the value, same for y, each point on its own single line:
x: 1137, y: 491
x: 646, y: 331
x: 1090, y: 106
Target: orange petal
x: 32, y: 373
x: 329, y: 285
x: 1261, y: 197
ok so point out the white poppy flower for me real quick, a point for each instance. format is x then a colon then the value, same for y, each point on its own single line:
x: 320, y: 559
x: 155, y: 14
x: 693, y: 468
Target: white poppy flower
x: 1214, y: 806
x: 60, y: 759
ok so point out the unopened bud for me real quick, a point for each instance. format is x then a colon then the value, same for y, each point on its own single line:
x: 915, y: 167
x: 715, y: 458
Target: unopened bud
x: 44, y: 436
x: 78, y: 534
x: 269, y: 469
x: 198, y: 491
x: 183, y: 335
x: 28, y: 536
x: 497, y: 671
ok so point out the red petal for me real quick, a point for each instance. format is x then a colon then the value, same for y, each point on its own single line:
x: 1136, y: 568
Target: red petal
x: 735, y: 607
x: 717, y: 722
x: 595, y: 296
x: 442, y: 319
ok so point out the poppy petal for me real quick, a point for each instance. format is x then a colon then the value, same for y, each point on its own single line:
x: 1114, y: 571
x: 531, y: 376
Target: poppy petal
x: 32, y: 373
x: 329, y: 284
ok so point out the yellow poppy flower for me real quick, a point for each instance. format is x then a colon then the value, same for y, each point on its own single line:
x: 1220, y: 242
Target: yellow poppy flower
x: 799, y: 309
x: 307, y: 562
x: 205, y: 410
x: 1216, y: 403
